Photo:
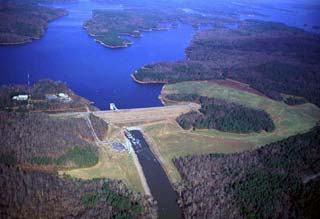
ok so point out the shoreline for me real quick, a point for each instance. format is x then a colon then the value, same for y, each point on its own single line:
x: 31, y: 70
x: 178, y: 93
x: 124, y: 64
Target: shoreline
x: 112, y: 47
x: 104, y: 44
x: 37, y: 37
x: 160, y: 97
x: 127, y: 44
x: 29, y: 40
x: 18, y: 43
x: 146, y: 82
x: 142, y: 177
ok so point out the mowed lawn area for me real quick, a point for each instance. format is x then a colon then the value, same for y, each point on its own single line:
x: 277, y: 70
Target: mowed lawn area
x: 171, y: 141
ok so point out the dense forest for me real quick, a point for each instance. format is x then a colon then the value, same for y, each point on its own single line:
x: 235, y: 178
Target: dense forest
x: 279, y: 180
x: 36, y: 138
x: 33, y: 146
x: 172, y: 72
x: 108, y: 26
x: 35, y: 194
x: 224, y: 116
x: 271, y: 57
x: 24, y: 21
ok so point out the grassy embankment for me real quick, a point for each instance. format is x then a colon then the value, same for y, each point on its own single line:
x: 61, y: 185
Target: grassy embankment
x: 112, y: 164
x: 171, y: 141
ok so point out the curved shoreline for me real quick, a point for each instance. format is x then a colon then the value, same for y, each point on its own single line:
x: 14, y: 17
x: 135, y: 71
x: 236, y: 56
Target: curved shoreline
x: 103, y: 43
x: 18, y: 43
x: 124, y: 45
x: 146, y: 82
x: 160, y: 97
x: 37, y: 37
x: 112, y: 47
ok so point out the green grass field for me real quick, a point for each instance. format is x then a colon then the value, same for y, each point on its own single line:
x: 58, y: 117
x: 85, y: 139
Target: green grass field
x: 172, y: 141
x: 289, y: 120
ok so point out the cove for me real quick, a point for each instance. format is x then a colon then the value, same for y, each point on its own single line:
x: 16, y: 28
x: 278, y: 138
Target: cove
x: 67, y: 53
x: 157, y: 179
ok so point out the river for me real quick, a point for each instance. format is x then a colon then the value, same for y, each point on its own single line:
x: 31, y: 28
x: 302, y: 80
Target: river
x: 157, y: 179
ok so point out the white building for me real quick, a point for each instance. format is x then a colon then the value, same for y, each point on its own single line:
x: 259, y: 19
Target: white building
x: 64, y: 97
x: 22, y: 97
x: 113, y: 107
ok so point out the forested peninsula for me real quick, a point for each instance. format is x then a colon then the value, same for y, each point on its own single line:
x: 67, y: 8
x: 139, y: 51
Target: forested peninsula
x: 24, y: 21
x: 271, y: 57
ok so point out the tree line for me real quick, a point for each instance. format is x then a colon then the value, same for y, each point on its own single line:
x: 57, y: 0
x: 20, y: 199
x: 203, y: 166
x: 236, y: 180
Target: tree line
x: 278, y: 180
x: 226, y: 116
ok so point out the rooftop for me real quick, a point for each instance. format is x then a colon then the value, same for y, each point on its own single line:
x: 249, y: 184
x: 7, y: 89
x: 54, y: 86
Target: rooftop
x: 118, y: 146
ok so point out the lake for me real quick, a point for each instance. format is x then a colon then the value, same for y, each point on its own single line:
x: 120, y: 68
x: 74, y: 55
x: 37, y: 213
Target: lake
x: 102, y: 75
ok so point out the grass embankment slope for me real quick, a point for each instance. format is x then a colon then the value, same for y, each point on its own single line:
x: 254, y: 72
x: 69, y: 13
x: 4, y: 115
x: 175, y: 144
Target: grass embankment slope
x: 112, y: 164
x: 172, y: 141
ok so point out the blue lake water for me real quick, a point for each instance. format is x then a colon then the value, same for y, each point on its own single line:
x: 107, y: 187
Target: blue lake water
x: 102, y: 75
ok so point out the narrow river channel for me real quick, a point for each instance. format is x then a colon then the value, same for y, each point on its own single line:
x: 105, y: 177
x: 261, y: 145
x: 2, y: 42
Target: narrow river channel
x: 157, y: 179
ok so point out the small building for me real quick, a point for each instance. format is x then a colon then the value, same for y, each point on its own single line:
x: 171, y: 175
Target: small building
x: 113, y: 107
x: 118, y: 146
x: 64, y: 97
x: 21, y: 97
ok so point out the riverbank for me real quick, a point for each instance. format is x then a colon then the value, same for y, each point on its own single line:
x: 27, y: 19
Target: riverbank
x: 162, y: 161
x: 160, y: 186
x: 143, y: 180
